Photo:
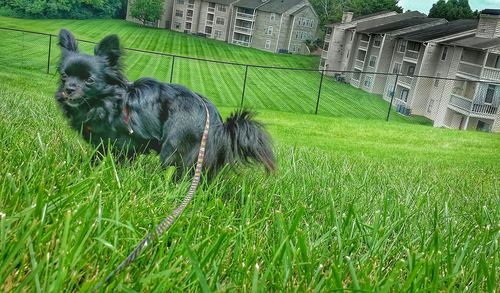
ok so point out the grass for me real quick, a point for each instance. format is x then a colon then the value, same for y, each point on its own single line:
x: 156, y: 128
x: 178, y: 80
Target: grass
x: 276, y: 89
x: 357, y: 204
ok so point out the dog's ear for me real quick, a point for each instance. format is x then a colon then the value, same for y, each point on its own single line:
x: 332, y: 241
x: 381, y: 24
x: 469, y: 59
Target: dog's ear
x: 109, y: 48
x: 67, y: 42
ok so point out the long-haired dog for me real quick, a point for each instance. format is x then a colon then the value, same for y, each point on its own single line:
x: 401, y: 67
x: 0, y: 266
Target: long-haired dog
x: 134, y: 118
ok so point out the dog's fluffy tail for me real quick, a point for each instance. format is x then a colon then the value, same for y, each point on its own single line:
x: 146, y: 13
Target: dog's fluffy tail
x: 242, y: 140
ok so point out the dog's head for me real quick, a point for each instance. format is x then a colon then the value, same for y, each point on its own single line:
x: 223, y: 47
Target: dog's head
x: 86, y: 78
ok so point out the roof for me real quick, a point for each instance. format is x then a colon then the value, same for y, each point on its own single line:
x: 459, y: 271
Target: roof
x: 442, y: 30
x: 252, y: 4
x: 280, y: 6
x: 276, y: 6
x: 491, y: 11
x: 382, y: 29
x: 371, y: 15
x: 478, y: 43
x: 388, y: 20
x: 224, y: 2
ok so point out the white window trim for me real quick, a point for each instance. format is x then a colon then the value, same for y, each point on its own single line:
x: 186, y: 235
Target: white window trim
x: 267, y: 44
x: 223, y: 20
x: 442, y: 53
x: 370, y: 61
x: 268, y: 33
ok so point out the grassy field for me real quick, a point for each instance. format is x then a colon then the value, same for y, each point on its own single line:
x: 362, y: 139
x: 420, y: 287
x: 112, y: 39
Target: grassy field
x: 282, y: 90
x: 357, y: 204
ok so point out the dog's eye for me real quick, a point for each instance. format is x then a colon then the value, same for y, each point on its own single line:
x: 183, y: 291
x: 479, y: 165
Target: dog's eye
x: 90, y: 80
x: 64, y: 76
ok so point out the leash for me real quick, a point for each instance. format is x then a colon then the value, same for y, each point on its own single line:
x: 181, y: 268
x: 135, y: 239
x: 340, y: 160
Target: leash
x: 168, y: 221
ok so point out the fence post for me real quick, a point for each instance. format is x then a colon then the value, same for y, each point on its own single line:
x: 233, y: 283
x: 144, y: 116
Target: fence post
x: 48, y: 58
x: 392, y: 97
x: 172, y: 69
x: 244, y: 86
x: 319, y: 90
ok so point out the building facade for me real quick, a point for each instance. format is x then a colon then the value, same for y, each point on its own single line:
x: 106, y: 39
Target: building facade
x: 448, y: 72
x: 273, y: 25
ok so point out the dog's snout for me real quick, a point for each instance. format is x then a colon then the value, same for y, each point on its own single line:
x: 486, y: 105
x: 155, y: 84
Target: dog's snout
x: 70, y: 88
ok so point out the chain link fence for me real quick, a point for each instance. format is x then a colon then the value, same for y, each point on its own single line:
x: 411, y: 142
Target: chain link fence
x: 460, y: 103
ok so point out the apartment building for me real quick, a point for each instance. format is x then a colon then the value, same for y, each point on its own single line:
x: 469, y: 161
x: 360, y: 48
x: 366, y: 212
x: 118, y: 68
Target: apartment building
x: 272, y: 25
x: 275, y: 25
x: 460, y: 61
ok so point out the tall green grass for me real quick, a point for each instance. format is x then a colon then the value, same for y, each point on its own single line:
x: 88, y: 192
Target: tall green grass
x: 356, y: 204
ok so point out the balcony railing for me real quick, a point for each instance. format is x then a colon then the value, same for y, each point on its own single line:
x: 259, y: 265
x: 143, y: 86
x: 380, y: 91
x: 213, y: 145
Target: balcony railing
x: 491, y: 73
x: 471, y: 107
x: 241, y: 42
x: 243, y: 30
x: 406, y: 79
x: 469, y: 69
x: 363, y: 44
x: 412, y: 54
x: 245, y: 16
x: 359, y: 64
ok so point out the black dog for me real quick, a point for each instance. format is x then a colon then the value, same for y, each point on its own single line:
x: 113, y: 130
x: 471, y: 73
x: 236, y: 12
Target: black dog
x: 133, y: 118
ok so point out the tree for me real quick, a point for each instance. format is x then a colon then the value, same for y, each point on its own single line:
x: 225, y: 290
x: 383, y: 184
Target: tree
x: 147, y: 10
x: 452, y: 10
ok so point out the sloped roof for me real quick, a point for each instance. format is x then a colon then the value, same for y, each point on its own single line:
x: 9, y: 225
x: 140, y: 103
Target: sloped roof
x: 280, y: 6
x: 387, y: 20
x: 442, y: 30
x: 224, y: 2
x: 478, y: 43
x: 382, y: 29
x: 252, y: 4
x: 371, y: 15
x: 491, y: 11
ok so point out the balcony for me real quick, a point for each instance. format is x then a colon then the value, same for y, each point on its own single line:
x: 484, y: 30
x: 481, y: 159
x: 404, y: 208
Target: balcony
x: 472, y: 108
x: 469, y: 69
x: 245, y: 16
x: 324, y: 54
x: 491, y: 73
x: 328, y: 37
x: 405, y: 80
x: 211, y: 9
x: 243, y: 30
x: 359, y: 64
x: 363, y: 44
x: 241, y: 43
x: 412, y: 55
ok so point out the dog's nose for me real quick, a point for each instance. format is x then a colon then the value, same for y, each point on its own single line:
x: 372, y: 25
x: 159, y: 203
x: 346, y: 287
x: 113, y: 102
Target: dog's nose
x: 69, y: 89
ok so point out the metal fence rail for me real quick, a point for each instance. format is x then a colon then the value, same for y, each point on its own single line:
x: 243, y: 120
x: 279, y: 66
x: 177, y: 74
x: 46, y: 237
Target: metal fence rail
x: 450, y: 102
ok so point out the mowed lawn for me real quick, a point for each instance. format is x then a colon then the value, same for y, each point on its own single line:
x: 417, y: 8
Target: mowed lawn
x: 356, y: 204
x: 272, y: 89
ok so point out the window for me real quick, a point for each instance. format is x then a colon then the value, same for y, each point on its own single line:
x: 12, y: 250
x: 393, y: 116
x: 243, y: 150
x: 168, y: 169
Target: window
x: 365, y: 37
x: 497, y: 62
x: 368, y: 81
x: 414, y: 46
x: 218, y: 34
x: 401, y: 46
x: 188, y: 25
x: 177, y: 25
x: 411, y: 70
x: 377, y: 41
x: 445, y: 52
x: 268, y: 44
x: 397, y: 68
x: 352, y: 35
x: 208, y: 30
x: 179, y: 13
x: 220, y: 20
x: 272, y: 17
x: 348, y: 53
x: 210, y: 4
x: 373, y: 61
x: 269, y: 30
x: 429, y: 108
x: 490, y: 92
x: 179, y: 2
x: 436, y: 81
x: 404, y: 95
x: 222, y: 8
